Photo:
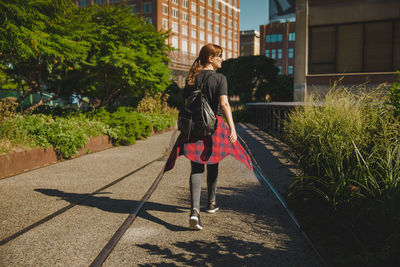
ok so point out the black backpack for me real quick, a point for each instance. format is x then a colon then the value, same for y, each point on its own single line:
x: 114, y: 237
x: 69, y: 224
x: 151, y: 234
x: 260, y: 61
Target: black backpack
x: 197, y: 119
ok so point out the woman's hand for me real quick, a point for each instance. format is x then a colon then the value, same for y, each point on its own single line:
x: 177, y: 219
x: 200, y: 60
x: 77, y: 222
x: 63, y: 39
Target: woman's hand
x: 233, y: 137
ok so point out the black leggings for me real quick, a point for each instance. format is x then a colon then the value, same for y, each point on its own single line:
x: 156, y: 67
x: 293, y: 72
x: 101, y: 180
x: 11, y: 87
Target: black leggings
x: 196, y: 179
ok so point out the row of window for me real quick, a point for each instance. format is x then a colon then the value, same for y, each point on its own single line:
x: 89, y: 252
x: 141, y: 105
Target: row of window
x: 184, y: 29
x: 277, y: 53
x: 185, y: 16
x: 218, y: 4
x: 290, y: 70
x: 277, y: 37
x: 193, y: 46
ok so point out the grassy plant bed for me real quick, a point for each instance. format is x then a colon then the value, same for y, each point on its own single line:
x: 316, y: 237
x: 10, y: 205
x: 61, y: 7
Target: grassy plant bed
x: 348, y: 195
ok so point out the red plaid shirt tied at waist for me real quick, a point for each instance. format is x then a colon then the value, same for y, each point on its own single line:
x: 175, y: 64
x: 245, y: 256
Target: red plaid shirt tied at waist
x: 208, y: 150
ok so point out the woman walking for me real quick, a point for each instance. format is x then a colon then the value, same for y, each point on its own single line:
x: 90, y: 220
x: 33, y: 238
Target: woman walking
x: 209, y: 150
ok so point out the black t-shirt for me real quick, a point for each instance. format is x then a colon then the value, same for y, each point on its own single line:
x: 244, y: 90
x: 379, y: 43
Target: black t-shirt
x: 215, y: 86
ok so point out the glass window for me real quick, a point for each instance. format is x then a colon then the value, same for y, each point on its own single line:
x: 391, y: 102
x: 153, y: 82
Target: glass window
x: 185, y: 30
x: 223, y: 7
x: 216, y: 29
x: 202, y: 23
x: 194, y: 34
x: 279, y: 53
x: 175, y: 1
x: 290, y: 52
x: 280, y: 69
x: 224, y: 20
x: 322, y: 54
x: 229, y: 54
x: 216, y: 5
x: 292, y: 36
x: 273, y: 53
x: 267, y: 53
x: 223, y: 43
x: 230, y: 44
x: 349, y: 41
x: 165, y: 24
x: 133, y: 9
x: 279, y: 37
x: 147, y: 8
x: 230, y: 34
x: 114, y: 1
x: 165, y: 9
x: 175, y: 41
x: 209, y: 38
x: 216, y: 40
x: 185, y: 16
x: 193, y: 48
x: 210, y: 2
x: 210, y: 26
x: 193, y: 20
x: 194, y: 7
x: 273, y: 38
x: 175, y: 27
x: 185, y: 3
x: 202, y: 11
x: 217, y: 17
x: 290, y: 69
x: 210, y: 15
x: 98, y: 2
x: 184, y: 45
x: 175, y: 13
x: 268, y: 38
x: 223, y: 32
x: 202, y: 36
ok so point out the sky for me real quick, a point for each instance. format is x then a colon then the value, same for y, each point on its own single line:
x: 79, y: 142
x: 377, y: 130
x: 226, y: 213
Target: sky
x: 253, y: 13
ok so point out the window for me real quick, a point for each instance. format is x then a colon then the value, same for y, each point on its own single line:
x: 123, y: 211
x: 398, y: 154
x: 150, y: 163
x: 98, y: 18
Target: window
x: 216, y: 29
x: 185, y: 30
x: 216, y: 4
x: 185, y: 16
x: 290, y: 69
x: 280, y: 53
x: 175, y: 13
x: 193, y: 20
x: 223, y: 32
x: 114, y: 1
x: 230, y: 11
x: 273, y: 53
x: 83, y: 2
x: 280, y: 69
x: 202, y: 36
x: 236, y: 25
x: 210, y: 15
x: 209, y: 38
x: 292, y: 36
x: 210, y: 26
x: 193, y: 48
x: 210, y: 2
x: 202, y: 11
x: 175, y: 1
x: 229, y: 54
x: 175, y: 27
x: 223, y: 43
x: 165, y: 24
x: 235, y: 14
x: 268, y: 53
x: 223, y: 7
x: 230, y: 34
x: 98, y: 2
x: 175, y: 42
x: 165, y: 9
x: 185, y: 3
x: 235, y: 46
x: 230, y: 44
x: 149, y: 19
x: 279, y: 37
x: 217, y: 17
x: 147, y: 8
x: 230, y: 23
x: 224, y: 20
x: 194, y: 7
x: 202, y: 23
x: 184, y: 47
x: 133, y: 9
x: 194, y: 34
x: 272, y: 38
x: 290, y: 52
x: 216, y: 40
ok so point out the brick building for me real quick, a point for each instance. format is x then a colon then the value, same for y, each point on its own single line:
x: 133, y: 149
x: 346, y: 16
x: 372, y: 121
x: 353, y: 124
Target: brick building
x: 277, y: 41
x: 249, y: 43
x: 193, y: 23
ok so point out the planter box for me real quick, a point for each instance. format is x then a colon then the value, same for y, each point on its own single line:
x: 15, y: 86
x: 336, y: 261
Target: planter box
x: 18, y: 162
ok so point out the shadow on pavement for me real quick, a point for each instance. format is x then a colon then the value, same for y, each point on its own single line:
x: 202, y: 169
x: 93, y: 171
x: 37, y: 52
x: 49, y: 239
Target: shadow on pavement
x: 227, y: 251
x: 117, y: 205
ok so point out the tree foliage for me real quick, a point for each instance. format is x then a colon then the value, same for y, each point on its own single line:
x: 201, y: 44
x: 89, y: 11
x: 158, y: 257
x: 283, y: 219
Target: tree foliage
x: 98, y: 52
x: 248, y: 75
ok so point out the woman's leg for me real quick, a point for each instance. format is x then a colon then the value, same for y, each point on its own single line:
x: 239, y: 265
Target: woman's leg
x: 212, y: 177
x: 196, y: 179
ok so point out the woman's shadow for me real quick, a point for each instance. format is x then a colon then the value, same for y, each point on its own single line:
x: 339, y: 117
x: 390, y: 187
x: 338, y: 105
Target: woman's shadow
x: 118, y: 205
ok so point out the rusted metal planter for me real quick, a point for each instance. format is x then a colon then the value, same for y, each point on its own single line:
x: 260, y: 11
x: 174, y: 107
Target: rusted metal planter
x: 18, y: 162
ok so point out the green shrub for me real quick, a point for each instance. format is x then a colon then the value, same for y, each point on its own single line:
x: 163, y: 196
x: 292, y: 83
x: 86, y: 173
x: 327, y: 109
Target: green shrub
x: 394, y: 95
x: 160, y: 122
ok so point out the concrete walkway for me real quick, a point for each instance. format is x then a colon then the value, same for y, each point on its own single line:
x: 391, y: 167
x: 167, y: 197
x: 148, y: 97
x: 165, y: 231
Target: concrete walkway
x: 251, y: 228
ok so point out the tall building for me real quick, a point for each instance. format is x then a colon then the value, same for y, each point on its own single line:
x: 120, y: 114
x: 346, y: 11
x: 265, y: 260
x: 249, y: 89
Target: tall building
x: 356, y: 40
x: 249, y: 43
x: 193, y: 23
x: 278, y: 42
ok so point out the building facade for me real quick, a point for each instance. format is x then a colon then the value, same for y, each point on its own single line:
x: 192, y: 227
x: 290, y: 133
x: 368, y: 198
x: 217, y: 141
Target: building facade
x: 278, y: 42
x: 249, y: 43
x: 193, y: 23
x: 357, y: 41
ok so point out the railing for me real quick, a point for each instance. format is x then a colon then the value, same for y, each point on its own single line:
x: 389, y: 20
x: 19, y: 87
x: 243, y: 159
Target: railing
x: 270, y: 116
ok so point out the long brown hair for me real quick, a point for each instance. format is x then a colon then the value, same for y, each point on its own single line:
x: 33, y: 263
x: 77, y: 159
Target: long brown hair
x: 205, y: 52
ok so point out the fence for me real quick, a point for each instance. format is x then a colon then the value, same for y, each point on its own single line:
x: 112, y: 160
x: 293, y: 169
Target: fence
x: 270, y: 116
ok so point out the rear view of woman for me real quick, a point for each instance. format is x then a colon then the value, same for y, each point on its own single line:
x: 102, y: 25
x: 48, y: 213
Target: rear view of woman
x: 209, y: 150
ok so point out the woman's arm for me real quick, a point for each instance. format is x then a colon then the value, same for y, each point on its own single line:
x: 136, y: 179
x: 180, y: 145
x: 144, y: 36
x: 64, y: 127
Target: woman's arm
x: 226, y: 108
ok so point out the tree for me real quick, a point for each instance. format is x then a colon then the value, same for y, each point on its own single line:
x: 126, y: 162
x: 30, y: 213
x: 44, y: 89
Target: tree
x: 40, y: 43
x: 248, y: 75
x: 127, y: 56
